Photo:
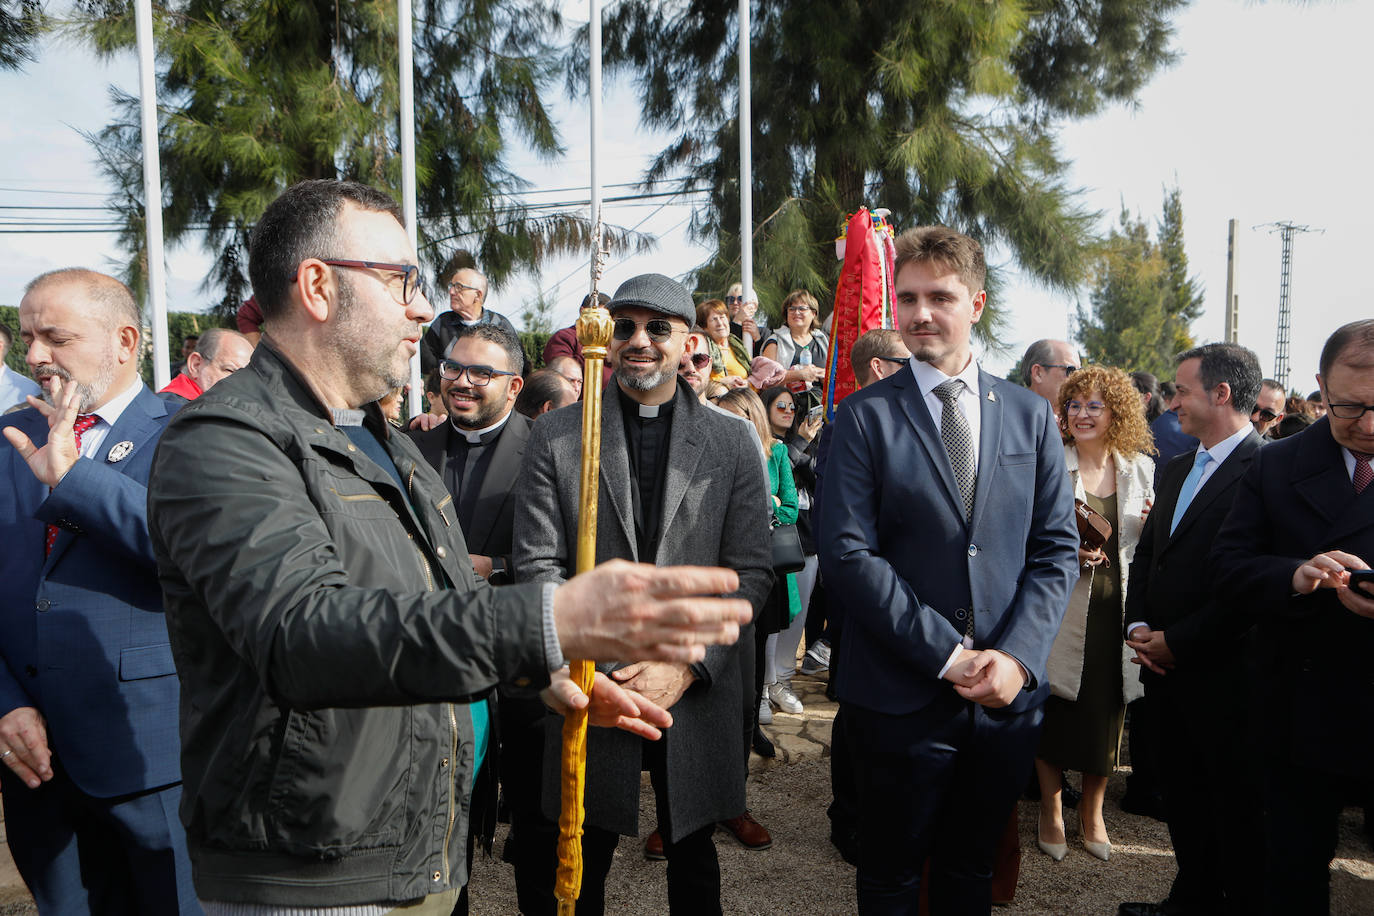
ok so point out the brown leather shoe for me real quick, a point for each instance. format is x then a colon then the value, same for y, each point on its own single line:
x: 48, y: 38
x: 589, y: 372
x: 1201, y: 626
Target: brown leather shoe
x: 653, y: 847
x: 750, y: 833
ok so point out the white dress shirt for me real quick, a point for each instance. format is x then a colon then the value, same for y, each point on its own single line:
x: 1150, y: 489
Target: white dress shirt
x: 1219, y: 452
x: 108, y: 414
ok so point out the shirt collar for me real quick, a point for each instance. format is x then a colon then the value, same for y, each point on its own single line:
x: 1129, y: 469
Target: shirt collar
x: 1223, y: 449
x: 474, y: 436
x: 111, y: 410
x: 927, y: 376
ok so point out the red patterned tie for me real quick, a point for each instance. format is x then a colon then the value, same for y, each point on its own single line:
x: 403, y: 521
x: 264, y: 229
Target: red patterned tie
x: 82, y: 424
x: 1364, y: 473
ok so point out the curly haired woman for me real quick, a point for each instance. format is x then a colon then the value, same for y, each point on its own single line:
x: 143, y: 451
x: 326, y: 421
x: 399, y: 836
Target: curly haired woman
x: 1107, y: 448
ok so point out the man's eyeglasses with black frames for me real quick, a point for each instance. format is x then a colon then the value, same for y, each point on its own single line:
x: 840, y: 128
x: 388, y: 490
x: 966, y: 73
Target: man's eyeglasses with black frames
x: 1067, y: 367
x: 478, y: 376
x: 408, y: 274
x: 1348, y: 411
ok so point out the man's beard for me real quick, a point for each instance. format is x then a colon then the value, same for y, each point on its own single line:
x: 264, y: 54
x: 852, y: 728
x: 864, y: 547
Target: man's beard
x: 91, y: 393
x: 648, y: 379
x: 359, y: 349
x: 487, y: 412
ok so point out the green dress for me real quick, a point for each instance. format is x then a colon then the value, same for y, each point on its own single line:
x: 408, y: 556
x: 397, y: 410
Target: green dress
x: 1085, y: 734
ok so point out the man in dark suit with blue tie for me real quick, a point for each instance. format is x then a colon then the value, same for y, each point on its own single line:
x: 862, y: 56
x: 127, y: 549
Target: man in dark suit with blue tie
x: 1191, y: 641
x: 949, y: 528
x: 88, y: 691
x: 1301, y: 527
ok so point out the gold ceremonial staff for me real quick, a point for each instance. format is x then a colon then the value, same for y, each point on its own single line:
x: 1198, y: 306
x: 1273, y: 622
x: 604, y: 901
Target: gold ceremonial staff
x: 594, y: 334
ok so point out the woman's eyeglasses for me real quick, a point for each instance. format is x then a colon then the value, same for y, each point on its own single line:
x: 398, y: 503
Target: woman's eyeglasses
x: 1090, y: 409
x: 786, y: 408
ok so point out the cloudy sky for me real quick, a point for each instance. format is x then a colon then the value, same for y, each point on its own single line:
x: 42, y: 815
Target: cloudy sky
x: 1264, y: 119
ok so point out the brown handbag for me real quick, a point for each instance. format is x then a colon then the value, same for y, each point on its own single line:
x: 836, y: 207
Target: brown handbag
x: 1093, y: 528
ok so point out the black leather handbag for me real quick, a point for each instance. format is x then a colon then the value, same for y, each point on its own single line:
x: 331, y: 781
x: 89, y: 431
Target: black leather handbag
x: 787, y: 549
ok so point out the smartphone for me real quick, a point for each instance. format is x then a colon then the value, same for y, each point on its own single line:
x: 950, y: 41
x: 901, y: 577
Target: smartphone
x: 1362, y: 581
x: 814, y: 413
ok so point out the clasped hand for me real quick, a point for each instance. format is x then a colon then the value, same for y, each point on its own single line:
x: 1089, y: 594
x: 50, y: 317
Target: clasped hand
x: 609, y: 706
x: 1151, y: 650
x: 988, y: 677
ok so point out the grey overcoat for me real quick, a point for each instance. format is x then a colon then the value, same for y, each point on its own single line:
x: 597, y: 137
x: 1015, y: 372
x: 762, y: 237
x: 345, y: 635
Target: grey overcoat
x: 715, y: 513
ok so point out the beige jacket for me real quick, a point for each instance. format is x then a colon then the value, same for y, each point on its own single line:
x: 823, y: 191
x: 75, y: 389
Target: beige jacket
x: 1134, y: 485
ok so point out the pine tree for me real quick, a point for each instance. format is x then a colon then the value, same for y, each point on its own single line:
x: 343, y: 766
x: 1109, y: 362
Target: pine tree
x: 20, y: 22
x: 940, y: 110
x: 1143, y: 300
x: 254, y: 96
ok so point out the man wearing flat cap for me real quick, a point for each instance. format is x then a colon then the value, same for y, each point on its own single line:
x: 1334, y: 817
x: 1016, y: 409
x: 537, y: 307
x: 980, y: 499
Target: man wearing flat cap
x: 680, y: 483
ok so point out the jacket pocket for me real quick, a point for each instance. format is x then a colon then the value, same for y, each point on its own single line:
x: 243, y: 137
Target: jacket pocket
x: 341, y: 780
x: 146, y: 661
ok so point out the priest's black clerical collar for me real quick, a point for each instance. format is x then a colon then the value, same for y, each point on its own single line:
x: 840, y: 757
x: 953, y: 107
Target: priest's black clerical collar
x: 481, y: 436
x: 632, y: 408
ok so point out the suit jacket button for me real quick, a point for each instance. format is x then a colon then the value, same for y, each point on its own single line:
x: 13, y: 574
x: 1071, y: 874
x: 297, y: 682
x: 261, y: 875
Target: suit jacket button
x: 973, y: 550
x: 442, y: 551
x: 43, y: 604
x: 961, y: 614
x: 31, y: 671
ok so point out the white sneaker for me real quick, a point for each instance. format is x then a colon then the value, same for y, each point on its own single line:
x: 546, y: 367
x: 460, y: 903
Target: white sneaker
x: 781, y: 694
x: 765, y: 710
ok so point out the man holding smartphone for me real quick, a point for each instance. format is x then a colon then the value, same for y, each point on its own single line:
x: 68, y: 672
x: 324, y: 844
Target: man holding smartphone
x: 1301, y: 528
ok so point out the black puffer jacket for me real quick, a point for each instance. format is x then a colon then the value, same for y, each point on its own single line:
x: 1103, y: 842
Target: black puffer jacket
x: 327, y: 629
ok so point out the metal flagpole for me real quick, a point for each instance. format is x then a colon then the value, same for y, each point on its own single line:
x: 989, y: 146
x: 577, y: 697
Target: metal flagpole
x: 152, y: 191
x: 746, y: 172
x: 405, y: 45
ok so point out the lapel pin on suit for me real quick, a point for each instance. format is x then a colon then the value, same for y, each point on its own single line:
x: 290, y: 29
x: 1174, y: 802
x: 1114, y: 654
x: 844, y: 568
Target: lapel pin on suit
x: 992, y: 397
x: 119, y: 451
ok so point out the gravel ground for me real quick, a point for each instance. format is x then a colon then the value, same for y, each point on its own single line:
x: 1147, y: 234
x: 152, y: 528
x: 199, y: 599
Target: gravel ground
x: 803, y: 874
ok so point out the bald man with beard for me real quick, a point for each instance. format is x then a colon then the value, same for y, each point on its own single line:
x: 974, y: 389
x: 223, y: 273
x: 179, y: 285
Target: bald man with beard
x: 88, y: 692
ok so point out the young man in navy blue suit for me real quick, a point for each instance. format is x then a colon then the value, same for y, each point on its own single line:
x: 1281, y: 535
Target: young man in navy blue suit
x: 949, y: 527
x: 88, y: 691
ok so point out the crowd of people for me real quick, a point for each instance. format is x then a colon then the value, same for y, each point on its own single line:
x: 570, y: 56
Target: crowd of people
x: 269, y: 652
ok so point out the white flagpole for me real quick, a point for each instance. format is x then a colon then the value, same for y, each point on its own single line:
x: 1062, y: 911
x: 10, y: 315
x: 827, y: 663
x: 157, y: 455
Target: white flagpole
x: 594, y: 93
x: 152, y: 191
x: 746, y: 172
x: 405, y: 43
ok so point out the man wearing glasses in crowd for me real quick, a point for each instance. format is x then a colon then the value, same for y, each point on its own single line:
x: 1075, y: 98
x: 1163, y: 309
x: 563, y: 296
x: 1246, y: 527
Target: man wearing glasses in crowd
x: 1045, y: 367
x: 334, y: 644
x: 679, y: 483
x: 467, y: 299
x: 1292, y: 552
x: 1268, y: 407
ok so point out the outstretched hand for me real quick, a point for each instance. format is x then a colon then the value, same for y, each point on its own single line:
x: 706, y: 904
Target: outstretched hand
x: 56, y: 457
x: 609, y: 706
x: 625, y: 610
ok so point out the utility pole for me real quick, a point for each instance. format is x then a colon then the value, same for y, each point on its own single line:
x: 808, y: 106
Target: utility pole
x: 1232, y: 334
x: 1286, y: 232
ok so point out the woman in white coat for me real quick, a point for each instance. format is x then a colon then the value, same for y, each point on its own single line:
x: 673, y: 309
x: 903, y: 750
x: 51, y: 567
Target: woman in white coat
x: 1107, y: 448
